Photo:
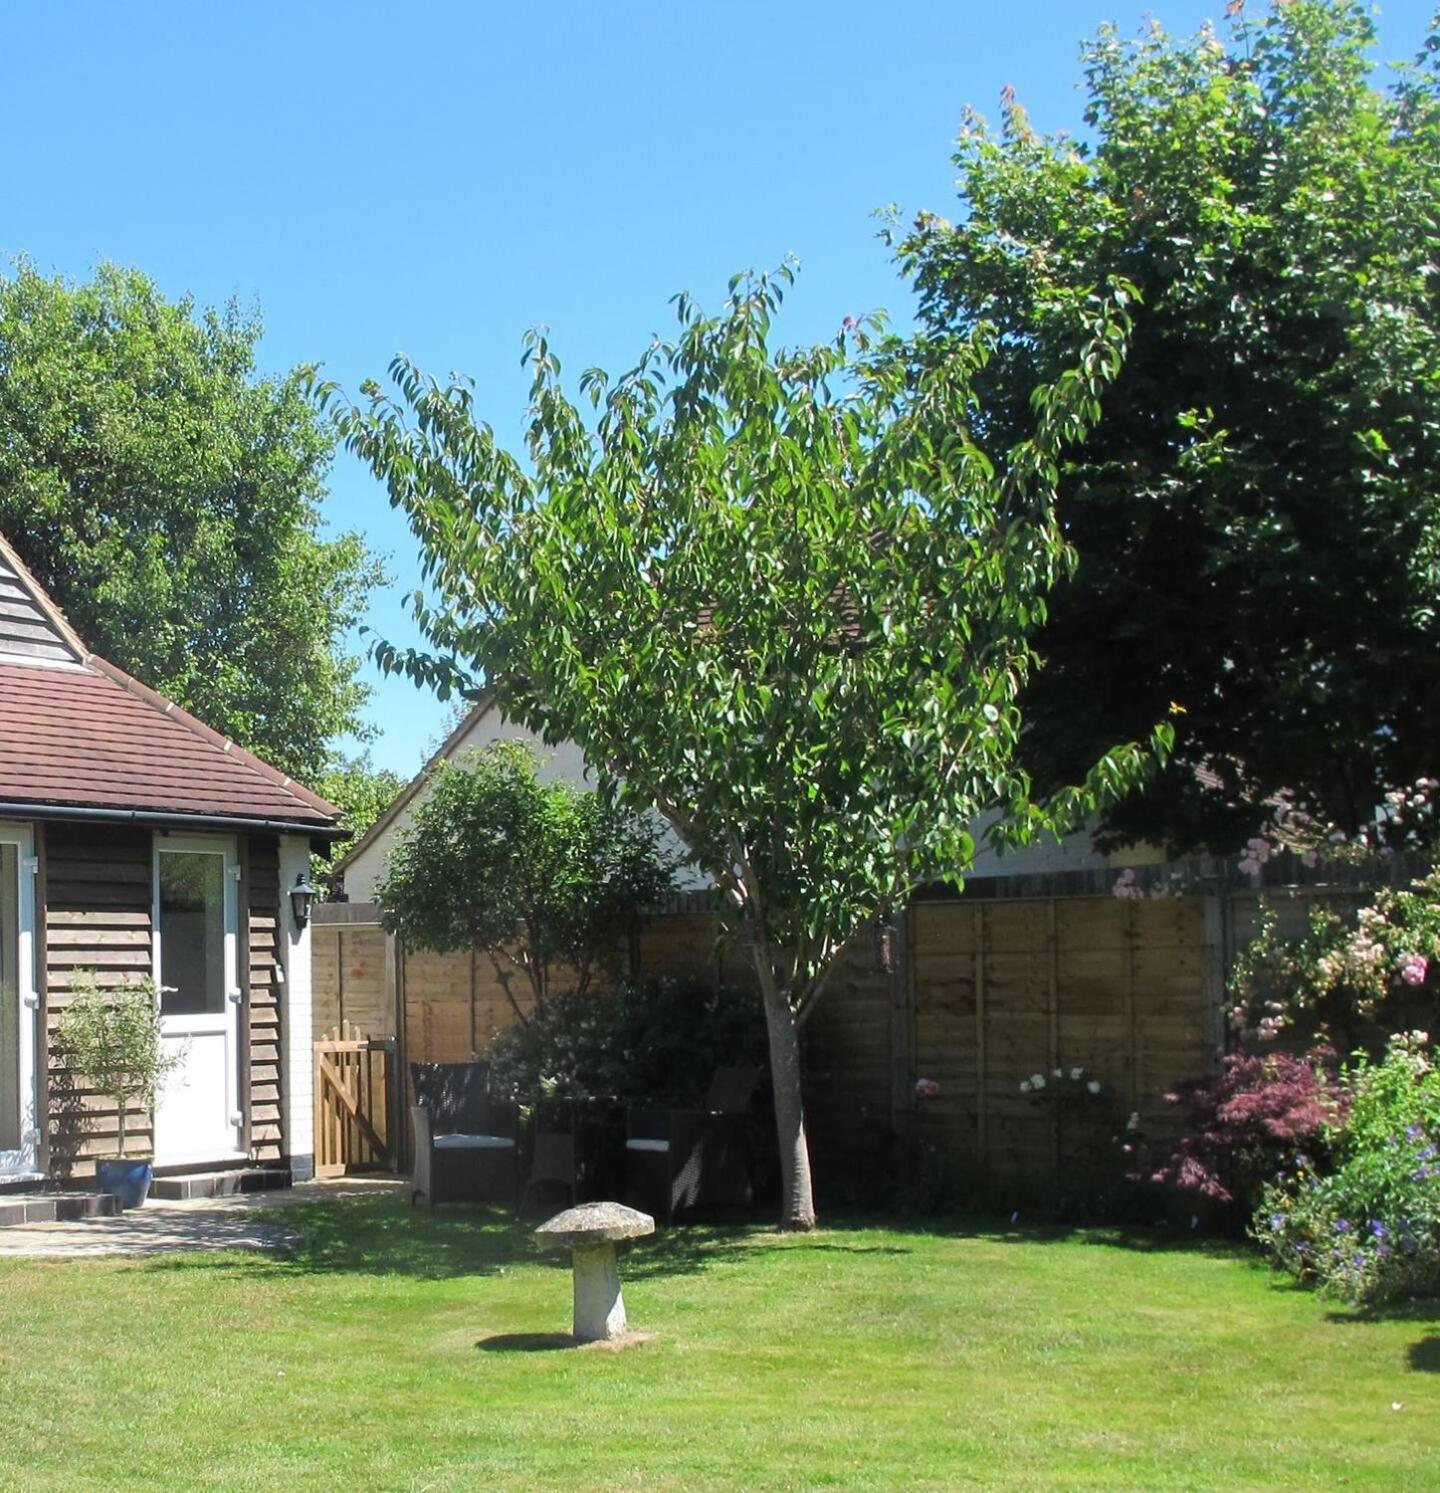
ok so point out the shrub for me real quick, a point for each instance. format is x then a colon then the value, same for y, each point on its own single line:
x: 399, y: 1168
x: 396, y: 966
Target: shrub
x: 1367, y: 1227
x: 1243, y: 1122
x: 112, y: 1039
x: 654, y: 1041
x: 1090, y: 1132
x: 1352, y: 981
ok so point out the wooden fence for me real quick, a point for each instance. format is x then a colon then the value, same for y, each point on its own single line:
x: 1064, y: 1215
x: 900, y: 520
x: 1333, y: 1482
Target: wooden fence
x: 977, y: 995
x: 355, y: 1102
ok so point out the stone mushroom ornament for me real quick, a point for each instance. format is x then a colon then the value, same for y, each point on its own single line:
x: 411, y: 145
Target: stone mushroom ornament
x: 591, y: 1232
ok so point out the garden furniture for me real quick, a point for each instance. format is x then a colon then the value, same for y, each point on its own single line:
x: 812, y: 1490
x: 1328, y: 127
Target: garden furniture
x: 464, y: 1138
x: 689, y: 1160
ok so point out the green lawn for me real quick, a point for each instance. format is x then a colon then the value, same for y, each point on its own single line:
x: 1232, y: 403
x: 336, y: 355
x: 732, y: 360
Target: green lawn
x: 863, y: 1357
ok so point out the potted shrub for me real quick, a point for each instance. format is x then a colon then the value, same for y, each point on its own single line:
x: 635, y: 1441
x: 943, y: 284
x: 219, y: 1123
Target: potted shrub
x: 111, y: 1039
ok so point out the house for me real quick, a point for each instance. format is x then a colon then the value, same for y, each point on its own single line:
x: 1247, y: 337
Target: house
x: 136, y: 841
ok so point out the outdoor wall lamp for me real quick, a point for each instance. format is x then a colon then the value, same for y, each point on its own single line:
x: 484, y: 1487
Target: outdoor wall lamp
x: 302, y: 899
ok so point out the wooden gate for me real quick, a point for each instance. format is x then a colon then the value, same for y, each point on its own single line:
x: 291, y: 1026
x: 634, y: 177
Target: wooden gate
x: 354, y: 1102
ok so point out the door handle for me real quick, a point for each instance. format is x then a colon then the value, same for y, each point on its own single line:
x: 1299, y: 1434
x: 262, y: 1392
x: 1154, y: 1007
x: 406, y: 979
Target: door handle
x: 233, y: 995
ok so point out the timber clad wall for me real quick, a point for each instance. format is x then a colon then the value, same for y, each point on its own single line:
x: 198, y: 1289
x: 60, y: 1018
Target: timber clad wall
x: 96, y: 899
x: 261, y: 920
x: 24, y: 628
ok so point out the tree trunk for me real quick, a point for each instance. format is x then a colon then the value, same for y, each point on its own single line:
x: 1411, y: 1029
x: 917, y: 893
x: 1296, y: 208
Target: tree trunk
x: 797, y: 1198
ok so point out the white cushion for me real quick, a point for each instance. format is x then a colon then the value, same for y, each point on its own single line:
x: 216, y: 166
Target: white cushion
x: 473, y: 1143
x: 647, y: 1145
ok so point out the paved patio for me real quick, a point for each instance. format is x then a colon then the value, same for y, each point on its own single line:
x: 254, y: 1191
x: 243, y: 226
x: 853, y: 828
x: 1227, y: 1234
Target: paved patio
x: 205, y: 1225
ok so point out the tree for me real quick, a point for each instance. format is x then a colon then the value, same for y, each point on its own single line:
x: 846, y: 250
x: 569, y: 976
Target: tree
x: 168, y: 499
x: 785, y: 599
x: 115, y: 1041
x: 1256, y: 513
x: 537, y: 875
x: 361, y: 791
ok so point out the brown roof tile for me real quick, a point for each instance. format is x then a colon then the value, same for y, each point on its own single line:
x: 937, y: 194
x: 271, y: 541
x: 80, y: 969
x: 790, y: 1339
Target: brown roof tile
x: 83, y: 734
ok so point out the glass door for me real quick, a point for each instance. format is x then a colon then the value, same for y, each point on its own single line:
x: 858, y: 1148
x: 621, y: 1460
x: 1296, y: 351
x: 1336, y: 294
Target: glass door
x: 19, y: 1134
x: 197, y: 1114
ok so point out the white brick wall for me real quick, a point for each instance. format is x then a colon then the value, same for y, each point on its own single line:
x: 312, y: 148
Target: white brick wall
x: 297, y: 1056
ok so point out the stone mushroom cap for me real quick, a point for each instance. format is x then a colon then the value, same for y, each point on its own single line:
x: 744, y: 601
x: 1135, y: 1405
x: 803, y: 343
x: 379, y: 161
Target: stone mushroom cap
x: 595, y: 1223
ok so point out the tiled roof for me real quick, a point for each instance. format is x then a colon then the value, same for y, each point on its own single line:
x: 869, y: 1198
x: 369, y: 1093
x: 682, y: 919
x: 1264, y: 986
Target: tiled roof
x: 77, y: 732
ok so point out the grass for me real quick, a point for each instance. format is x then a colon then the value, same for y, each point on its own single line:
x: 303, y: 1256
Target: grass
x: 374, y: 1355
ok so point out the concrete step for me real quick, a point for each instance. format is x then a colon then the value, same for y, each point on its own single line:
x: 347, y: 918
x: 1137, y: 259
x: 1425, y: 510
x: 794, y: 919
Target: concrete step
x: 55, y: 1207
x: 190, y: 1185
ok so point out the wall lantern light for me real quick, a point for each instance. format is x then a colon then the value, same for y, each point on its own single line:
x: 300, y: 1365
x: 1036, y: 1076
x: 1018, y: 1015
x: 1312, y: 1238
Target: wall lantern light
x: 302, y: 899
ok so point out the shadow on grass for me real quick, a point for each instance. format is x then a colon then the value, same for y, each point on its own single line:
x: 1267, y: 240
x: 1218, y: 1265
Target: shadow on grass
x: 1425, y: 1311
x: 1425, y: 1355
x: 1141, y: 1238
x: 384, y: 1236
x: 527, y: 1342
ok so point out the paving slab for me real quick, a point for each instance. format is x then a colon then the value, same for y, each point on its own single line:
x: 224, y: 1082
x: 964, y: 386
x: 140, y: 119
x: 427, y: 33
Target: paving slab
x: 205, y: 1225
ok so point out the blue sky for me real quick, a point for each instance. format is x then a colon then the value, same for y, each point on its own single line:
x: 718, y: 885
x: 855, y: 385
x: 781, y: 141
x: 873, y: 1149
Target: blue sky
x: 435, y: 177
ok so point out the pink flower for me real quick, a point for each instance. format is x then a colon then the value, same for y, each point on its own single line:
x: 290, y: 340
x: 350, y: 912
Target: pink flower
x: 1413, y: 968
x: 926, y: 1088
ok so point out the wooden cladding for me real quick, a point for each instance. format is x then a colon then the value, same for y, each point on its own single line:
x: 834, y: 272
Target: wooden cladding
x: 26, y: 631
x: 96, y: 908
x: 261, y: 917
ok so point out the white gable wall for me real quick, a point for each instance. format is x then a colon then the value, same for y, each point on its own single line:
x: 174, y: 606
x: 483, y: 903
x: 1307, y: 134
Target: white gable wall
x: 563, y: 763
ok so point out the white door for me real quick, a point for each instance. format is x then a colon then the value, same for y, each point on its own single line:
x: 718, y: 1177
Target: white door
x: 19, y: 1130
x: 197, y: 1114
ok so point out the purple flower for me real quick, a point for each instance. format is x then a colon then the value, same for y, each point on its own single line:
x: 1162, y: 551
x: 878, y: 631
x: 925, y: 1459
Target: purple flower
x: 1378, y: 1229
x: 1342, y: 1226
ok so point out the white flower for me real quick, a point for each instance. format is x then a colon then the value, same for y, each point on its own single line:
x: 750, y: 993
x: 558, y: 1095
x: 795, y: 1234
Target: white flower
x: 1024, y: 1085
x: 1093, y: 1085
x: 1059, y: 1073
x: 1133, y: 1123
x: 1077, y: 1074
x: 1038, y: 1081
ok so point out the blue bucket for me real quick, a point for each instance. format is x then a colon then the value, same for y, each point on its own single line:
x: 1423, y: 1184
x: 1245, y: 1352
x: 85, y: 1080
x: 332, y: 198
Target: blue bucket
x: 128, y: 1182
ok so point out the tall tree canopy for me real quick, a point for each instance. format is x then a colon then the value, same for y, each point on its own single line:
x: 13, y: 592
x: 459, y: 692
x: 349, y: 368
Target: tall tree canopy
x: 168, y: 498
x: 783, y: 596
x: 1256, y: 512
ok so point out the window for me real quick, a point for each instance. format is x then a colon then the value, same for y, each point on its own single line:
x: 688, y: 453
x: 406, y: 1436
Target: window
x: 191, y: 908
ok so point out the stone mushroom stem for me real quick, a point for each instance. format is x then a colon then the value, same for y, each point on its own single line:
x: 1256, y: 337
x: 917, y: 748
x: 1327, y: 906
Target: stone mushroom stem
x: 599, y: 1306
x: 589, y: 1231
